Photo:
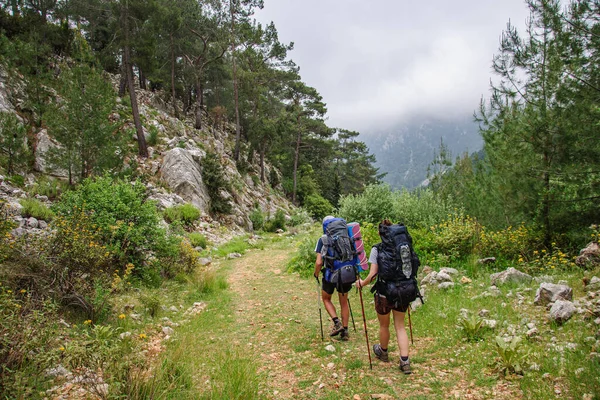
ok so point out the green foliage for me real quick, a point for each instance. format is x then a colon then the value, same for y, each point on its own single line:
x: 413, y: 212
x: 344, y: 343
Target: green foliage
x: 17, y: 180
x: 215, y: 181
x: 151, y: 302
x: 304, y: 258
x: 317, y: 206
x: 510, y: 243
x: 300, y: 216
x: 471, y: 326
x: 457, y: 236
x: 374, y: 205
x: 187, y: 214
x: 509, y: 357
x: 14, y: 153
x: 48, y: 186
x: 152, y: 135
x: 198, y: 240
x: 257, y: 219
x: 419, y: 209
x: 126, y: 221
x: 36, y: 209
x: 275, y: 223
x: 89, y: 142
x: 29, y: 341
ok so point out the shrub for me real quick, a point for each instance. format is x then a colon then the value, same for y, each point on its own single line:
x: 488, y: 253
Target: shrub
x: 304, y: 259
x: 418, y: 209
x: 214, y: 178
x: 300, y: 216
x: 17, y: 180
x: 373, y: 205
x: 152, y: 135
x: 317, y: 206
x: 278, y: 222
x: 127, y: 223
x: 457, y: 236
x: 151, y: 303
x: 50, y: 187
x: 257, y: 219
x: 509, y: 243
x: 187, y: 214
x: 471, y: 326
x: 36, y: 209
x: 198, y: 240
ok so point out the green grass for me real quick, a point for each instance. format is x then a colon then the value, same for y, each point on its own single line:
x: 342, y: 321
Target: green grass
x: 36, y: 209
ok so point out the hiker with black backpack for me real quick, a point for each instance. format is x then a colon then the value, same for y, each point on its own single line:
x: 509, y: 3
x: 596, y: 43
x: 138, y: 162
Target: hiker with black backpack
x: 335, y: 258
x: 395, y: 264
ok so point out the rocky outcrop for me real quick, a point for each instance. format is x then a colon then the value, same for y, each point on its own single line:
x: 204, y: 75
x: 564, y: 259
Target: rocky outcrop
x: 590, y: 256
x: 550, y: 292
x: 43, y: 146
x: 511, y: 275
x: 562, y: 311
x: 181, y: 171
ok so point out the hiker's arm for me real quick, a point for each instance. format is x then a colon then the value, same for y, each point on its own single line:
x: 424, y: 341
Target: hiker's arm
x: 372, y: 273
x: 318, y: 265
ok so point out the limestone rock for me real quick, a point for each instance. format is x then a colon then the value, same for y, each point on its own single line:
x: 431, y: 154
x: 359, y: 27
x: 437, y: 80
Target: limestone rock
x: 44, y: 144
x: 511, y: 275
x: 590, y: 256
x: 593, y: 285
x: 550, y: 292
x: 562, y: 311
x: 181, y: 171
x: 446, y: 285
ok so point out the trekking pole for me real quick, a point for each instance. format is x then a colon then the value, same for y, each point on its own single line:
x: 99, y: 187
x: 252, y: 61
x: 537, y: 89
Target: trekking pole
x: 365, y: 325
x: 410, y: 326
x: 351, y: 314
x: 319, y: 305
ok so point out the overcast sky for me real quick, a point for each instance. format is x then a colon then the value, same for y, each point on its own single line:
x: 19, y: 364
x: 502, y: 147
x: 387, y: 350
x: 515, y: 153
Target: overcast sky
x: 378, y: 63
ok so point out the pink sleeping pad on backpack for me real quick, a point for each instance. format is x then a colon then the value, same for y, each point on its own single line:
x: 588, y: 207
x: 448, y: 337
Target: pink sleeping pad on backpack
x: 356, y: 236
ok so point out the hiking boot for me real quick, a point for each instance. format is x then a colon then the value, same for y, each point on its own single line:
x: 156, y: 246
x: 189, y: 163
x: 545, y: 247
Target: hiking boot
x: 336, y: 329
x: 345, y: 335
x: 405, y: 367
x: 380, y: 353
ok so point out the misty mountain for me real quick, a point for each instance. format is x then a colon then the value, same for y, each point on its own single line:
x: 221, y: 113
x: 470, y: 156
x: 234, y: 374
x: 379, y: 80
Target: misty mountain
x: 405, y: 151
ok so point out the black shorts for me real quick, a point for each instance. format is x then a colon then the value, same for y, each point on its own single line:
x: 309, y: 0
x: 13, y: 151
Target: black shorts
x: 329, y: 287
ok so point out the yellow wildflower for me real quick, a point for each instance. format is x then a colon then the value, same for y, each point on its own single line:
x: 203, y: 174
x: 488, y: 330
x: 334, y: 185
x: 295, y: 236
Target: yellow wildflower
x: 61, y: 348
x: 87, y: 322
x: 122, y: 316
x: 23, y: 291
x: 143, y: 336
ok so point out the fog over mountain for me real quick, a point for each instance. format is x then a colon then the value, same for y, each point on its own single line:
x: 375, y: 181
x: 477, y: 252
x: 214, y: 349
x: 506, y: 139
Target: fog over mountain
x: 405, y: 152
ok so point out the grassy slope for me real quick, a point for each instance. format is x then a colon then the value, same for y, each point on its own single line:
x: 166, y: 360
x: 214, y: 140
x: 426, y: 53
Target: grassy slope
x: 261, y: 339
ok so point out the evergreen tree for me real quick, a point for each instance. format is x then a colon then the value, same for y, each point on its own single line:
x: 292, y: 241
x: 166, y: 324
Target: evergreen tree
x: 13, y: 146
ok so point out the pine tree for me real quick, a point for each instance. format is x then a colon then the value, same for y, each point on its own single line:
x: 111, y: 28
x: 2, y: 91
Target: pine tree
x: 13, y: 147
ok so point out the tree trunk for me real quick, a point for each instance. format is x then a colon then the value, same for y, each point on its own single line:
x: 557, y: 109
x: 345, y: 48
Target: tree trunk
x: 15, y: 7
x: 262, y: 162
x: 174, y: 98
x: 123, y: 81
x: 142, y: 79
x: 546, y: 202
x: 296, y: 158
x: 142, y: 148
x: 236, y: 154
x: 198, y: 124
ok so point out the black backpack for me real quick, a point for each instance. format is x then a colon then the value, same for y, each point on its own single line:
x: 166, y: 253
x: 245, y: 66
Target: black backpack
x: 338, y: 253
x: 398, y: 265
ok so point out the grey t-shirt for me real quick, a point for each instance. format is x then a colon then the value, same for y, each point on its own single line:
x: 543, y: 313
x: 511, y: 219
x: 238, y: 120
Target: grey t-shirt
x: 373, y: 255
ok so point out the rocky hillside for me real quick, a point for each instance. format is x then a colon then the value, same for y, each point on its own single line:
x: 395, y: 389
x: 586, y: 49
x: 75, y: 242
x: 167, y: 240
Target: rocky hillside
x: 173, y: 173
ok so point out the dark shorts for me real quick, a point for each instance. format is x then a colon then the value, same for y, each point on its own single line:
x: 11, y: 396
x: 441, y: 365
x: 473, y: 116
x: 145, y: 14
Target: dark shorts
x: 383, y: 307
x: 329, y: 287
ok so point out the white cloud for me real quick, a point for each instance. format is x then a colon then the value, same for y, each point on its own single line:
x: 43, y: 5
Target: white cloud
x: 380, y: 62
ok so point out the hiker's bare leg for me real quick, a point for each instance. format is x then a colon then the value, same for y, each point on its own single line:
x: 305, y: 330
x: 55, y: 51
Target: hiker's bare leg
x: 401, y: 332
x: 328, y: 304
x: 345, y: 310
x: 384, y: 330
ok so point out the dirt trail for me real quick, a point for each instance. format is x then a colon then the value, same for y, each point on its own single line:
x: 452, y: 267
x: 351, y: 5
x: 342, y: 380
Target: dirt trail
x: 277, y: 323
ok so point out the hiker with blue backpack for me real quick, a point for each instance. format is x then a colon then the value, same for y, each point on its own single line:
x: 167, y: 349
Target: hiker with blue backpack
x: 336, y: 259
x: 395, y: 264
